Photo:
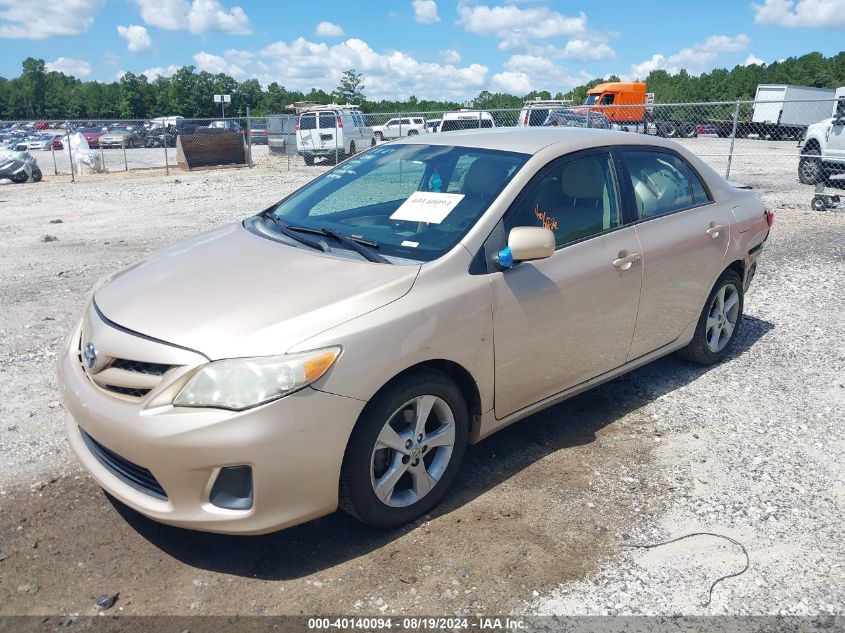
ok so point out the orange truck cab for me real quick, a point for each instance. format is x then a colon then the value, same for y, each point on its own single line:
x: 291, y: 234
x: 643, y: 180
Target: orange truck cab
x: 628, y: 95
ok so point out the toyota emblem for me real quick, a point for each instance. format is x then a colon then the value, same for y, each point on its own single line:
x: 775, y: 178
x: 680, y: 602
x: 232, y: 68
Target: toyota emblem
x: 89, y: 355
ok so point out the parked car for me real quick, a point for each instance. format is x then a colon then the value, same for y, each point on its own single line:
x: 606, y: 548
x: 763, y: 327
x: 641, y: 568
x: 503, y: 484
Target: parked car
x: 40, y: 143
x: 823, y: 148
x: 431, y: 125
x: 92, y: 135
x: 424, y: 295
x: 18, y: 166
x: 226, y: 124
x: 258, y: 134
x: 57, y: 142
x: 536, y: 111
x: 41, y: 125
x: 402, y: 126
x: 121, y: 136
x: 333, y: 132
x: 571, y: 117
x: 465, y: 120
x: 161, y: 137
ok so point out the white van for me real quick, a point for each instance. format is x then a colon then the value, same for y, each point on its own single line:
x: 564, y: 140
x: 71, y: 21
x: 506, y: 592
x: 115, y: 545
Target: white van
x: 333, y: 132
x: 465, y: 120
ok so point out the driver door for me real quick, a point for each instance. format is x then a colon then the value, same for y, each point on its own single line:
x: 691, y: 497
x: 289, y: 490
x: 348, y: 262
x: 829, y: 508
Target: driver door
x: 563, y: 320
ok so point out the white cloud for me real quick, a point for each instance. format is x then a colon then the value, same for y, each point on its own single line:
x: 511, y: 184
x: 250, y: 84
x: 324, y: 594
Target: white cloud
x: 588, y: 50
x: 160, y: 71
x: 752, y: 60
x: 74, y: 67
x: 695, y: 59
x: 327, y: 29
x: 302, y: 65
x: 137, y: 38
x: 451, y: 56
x: 524, y: 73
x: 195, y: 16
x: 216, y: 64
x: 425, y: 11
x: 803, y: 13
x: 517, y: 28
x: 42, y: 20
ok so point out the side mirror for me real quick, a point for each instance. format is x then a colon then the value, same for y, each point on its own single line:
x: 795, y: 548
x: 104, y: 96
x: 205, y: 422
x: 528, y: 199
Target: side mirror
x: 525, y: 244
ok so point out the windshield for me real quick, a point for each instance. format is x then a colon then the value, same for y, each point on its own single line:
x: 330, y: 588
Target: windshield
x: 415, y: 201
x: 591, y: 99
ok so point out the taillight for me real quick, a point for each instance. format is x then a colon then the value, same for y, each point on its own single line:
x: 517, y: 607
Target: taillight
x: 339, y: 123
x: 297, y: 125
x: 525, y: 122
x: 770, y: 217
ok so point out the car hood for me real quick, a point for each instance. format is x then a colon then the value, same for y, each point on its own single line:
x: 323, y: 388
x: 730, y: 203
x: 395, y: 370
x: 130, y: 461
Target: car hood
x: 230, y: 293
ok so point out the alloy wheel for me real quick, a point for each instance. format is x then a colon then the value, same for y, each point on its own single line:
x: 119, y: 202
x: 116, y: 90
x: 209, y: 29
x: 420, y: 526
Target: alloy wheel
x: 722, y: 318
x: 412, y: 451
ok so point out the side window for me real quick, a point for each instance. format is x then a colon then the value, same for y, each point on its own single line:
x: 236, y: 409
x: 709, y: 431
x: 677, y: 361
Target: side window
x: 575, y: 199
x: 308, y: 122
x: 660, y: 183
x: 607, y: 99
x: 699, y: 191
x: 327, y: 120
x: 406, y: 121
x: 393, y: 122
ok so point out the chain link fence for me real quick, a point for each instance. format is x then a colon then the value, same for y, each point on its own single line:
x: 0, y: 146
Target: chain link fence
x: 735, y: 137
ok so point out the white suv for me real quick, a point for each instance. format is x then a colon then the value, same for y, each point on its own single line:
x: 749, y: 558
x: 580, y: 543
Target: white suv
x: 404, y: 126
x: 535, y: 111
x: 333, y: 132
x: 823, y: 148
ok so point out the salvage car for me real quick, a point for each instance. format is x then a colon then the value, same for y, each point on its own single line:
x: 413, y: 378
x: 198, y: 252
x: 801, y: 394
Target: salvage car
x: 342, y: 347
x: 122, y: 137
x: 18, y: 166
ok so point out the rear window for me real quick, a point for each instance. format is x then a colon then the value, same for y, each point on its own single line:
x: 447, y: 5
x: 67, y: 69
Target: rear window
x: 537, y: 116
x: 307, y: 122
x: 451, y: 125
x: 327, y: 120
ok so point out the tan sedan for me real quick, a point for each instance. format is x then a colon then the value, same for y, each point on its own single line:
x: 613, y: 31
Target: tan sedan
x: 342, y: 347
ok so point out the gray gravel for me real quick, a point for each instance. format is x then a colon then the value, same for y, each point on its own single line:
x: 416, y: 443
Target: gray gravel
x: 750, y: 449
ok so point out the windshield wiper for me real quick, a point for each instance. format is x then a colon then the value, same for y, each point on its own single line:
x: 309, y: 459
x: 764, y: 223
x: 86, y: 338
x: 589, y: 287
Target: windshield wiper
x: 290, y: 232
x: 365, y: 248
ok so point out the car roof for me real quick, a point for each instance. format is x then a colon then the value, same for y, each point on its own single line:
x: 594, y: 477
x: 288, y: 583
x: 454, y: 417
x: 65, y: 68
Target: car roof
x: 530, y: 140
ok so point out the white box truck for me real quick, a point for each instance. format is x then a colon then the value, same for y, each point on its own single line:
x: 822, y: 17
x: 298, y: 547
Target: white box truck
x: 783, y: 112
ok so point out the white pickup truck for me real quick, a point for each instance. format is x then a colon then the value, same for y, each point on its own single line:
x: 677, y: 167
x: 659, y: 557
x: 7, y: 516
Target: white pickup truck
x: 823, y: 148
x: 396, y: 128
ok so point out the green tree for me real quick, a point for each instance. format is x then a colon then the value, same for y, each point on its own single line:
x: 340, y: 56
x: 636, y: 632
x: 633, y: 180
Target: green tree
x: 351, y: 88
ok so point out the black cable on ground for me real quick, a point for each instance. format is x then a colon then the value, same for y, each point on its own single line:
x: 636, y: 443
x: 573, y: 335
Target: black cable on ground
x: 722, y: 536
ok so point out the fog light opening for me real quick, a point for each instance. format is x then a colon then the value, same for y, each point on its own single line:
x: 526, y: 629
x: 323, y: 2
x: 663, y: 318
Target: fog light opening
x: 233, y: 488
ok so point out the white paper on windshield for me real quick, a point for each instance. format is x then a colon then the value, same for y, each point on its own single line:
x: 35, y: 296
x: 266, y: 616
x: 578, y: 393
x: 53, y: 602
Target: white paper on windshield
x: 427, y: 206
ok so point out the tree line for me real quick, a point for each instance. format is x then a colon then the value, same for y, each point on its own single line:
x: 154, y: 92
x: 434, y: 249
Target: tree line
x: 41, y: 94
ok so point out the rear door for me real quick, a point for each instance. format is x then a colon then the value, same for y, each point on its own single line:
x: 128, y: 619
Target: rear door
x: 328, y: 131
x: 684, y: 236
x: 307, y: 134
x: 836, y: 134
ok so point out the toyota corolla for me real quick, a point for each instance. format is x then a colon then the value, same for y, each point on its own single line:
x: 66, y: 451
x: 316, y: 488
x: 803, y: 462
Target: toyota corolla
x: 342, y: 347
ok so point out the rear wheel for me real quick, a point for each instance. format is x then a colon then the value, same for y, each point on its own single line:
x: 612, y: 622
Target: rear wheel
x: 309, y: 159
x: 412, y: 132
x: 379, y: 137
x: 352, y: 148
x: 37, y: 175
x: 405, y: 450
x: 810, y: 168
x: 689, y: 130
x: 19, y: 177
x: 719, y: 321
x: 373, y: 142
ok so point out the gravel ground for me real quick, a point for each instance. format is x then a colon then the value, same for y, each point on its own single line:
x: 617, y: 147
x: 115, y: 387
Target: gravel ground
x: 544, y: 512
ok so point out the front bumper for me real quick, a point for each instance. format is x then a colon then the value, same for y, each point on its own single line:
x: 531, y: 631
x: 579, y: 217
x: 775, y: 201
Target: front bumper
x: 294, y: 447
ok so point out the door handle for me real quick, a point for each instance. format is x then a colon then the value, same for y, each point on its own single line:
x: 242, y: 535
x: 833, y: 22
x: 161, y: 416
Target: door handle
x: 715, y: 229
x: 624, y: 262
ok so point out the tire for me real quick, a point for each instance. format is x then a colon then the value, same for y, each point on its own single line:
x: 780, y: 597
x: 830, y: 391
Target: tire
x: 309, y: 159
x: 670, y: 129
x: 689, y: 130
x: 379, y: 137
x: 392, y: 414
x: 352, y: 149
x: 707, y: 345
x: 818, y: 204
x: 412, y: 132
x: 810, y: 167
x: 19, y: 177
x: 37, y: 175
x: 373, y: 142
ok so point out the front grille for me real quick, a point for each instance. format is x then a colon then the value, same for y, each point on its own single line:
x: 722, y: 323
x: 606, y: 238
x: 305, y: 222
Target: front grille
x: 152, y: 369
x: 136, y: 476
x: 127, y: 391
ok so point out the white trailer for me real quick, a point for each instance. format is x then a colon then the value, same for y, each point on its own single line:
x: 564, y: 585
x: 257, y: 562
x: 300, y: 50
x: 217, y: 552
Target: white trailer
x: 784, y: 111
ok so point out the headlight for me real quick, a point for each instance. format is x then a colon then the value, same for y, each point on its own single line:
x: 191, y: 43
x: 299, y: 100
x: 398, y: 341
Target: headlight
x: 241, y: 383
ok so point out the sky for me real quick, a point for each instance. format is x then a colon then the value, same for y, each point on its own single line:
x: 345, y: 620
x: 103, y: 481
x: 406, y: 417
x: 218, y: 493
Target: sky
x: 434, y: 49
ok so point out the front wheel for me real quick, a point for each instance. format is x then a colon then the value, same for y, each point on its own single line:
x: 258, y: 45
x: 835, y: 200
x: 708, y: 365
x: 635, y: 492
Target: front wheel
x: 37, y: 175
x: 810, y: 168
x: 379, y: 137
x: 405, y: 450
x: 719, y: 321
x: 309, y: 159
